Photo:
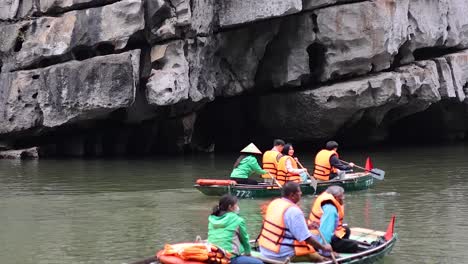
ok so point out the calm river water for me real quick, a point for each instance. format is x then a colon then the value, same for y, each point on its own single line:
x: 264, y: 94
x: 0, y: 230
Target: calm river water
x: 117, y: 211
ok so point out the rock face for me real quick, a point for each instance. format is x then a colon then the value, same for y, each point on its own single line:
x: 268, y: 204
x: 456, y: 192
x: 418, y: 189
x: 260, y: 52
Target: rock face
x: 152, y: 73
x: 68, y: 92
x: 78, y: 34
x: 30, y: 153
x: 234, y: 12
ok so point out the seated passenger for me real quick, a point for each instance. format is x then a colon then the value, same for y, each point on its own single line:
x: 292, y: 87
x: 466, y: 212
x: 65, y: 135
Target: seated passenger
x: 270, y: 160
x: 227, y: 230
x: 284, y: 231
x: 287, y: 167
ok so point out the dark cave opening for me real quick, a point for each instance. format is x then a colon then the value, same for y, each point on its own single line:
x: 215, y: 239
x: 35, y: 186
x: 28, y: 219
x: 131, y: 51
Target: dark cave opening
x: 432, y: 52
x: 105, y: 49
x: 317, y: 59
x: 20, y: 38
x: 82, y: 53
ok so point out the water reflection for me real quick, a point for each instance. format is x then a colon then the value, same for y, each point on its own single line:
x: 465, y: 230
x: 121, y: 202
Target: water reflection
x: 94, y: 211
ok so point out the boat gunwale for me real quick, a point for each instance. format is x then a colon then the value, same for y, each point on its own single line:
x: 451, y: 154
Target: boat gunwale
x: 368, y: 253
x: 272, y: 186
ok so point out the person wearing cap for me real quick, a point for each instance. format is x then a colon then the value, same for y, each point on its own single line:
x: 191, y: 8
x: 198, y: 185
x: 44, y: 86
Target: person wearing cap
x: 247, y: 165
x: 327, y: 163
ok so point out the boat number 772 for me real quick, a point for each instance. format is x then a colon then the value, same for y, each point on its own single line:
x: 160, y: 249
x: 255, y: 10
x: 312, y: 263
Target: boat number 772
x: 243, y: 194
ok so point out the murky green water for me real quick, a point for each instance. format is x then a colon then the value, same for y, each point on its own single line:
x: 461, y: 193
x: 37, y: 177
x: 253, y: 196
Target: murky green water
x: 116, y: 211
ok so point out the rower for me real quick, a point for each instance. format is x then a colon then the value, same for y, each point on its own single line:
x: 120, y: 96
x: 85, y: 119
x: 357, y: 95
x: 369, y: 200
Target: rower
x: 247, y: 165
x: 326, y: 216
x: 328, y: 165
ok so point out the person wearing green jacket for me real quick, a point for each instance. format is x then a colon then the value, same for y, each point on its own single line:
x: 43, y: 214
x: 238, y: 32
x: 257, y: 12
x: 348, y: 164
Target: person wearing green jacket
x: 227, y: 230
x: 246, y: 165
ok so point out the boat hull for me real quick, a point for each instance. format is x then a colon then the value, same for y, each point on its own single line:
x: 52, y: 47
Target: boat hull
x: 352, y: 182
x: 371, y: 255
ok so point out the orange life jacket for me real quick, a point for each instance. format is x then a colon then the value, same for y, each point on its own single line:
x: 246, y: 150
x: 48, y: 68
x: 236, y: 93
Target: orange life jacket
x: 270, y: 163
x: 194, y: 253
x: 283, y: 176
x: 317, y: 212
x: 274, y: 230
x: 323, y: 168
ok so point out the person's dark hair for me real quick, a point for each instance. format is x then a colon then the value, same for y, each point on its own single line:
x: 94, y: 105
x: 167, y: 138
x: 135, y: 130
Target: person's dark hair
x: 290, y: 188
x: 278, y: 142
x: 241, y: 157
x: 331, y: 145
x: 223, y: 204
x: 286, y: 149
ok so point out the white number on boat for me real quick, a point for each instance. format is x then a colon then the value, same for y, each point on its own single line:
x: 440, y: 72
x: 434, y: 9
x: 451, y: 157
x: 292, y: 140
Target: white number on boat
x: 243, y: 194
x: 369, y: 182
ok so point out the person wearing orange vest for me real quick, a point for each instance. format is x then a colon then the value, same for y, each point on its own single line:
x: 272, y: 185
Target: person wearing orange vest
x: 270, y: 160
x: 287, y: 167
x: 327, y: 163
x: 284, y: 231
x: 327, y: 215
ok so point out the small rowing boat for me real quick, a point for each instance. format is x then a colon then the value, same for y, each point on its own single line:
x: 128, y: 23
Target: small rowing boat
x: 351, y: 182
x: 378, y: 243
x: 378, y: 248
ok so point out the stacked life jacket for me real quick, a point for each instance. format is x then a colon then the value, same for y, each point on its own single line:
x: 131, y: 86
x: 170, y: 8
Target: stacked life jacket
x: 317, y: 212
x: 270, y: 163
x: 283, y: 176
x: 193, y: 252
x: 274, y: 230
x: 323, y: 168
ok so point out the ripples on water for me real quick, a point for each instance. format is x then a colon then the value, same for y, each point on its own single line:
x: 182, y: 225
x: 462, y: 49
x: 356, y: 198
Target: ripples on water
x: 114, y: 211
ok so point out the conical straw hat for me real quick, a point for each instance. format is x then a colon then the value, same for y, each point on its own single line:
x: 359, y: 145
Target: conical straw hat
x: 251, y: 148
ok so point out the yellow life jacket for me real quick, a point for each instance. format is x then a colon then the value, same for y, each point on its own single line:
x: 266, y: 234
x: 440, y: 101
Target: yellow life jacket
x: 323, y: 168
x: 317, y: 212
x: 274, y: 229
x: 283, y: 176
x: 270, y: 163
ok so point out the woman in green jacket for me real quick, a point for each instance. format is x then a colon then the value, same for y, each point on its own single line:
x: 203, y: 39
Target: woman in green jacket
x: 227, y: 230
x: 247, y: 164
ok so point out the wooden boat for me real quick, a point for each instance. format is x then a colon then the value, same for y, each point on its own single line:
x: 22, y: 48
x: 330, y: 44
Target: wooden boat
x: 366, y: 236
x: 375, y: 253
x: 351, y: 182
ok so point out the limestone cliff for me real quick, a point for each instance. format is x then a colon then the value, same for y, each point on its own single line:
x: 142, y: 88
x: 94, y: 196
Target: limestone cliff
x: 114, y: 77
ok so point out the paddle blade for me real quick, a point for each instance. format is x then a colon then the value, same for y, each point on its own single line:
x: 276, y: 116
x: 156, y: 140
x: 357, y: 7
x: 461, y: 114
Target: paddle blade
x: 369, y: 165
x: 390, y: 228
x: 378, y: 174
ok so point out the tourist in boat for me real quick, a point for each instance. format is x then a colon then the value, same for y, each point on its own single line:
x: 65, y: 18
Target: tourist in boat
x: 271, y: 158
x: 227, y: 230
x: 247, y: 165
x: 284, y: 231
x: 327, y: 215
x: 328, y: 165
x: 287, y: 166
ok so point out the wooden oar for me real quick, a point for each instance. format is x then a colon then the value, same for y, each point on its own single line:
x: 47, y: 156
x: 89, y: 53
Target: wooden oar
x: 313, y: 181
x: 325, y: 242
x: 376, y: 173
x: 276, y: 181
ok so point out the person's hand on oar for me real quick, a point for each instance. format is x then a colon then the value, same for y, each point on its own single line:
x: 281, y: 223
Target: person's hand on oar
x: 376, y: 173
x: 313, y: 181
x: 275, y: 180
x: 328, y: 246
